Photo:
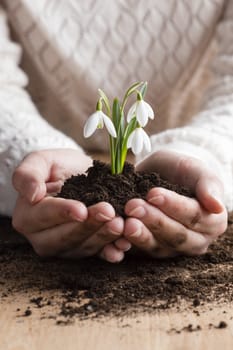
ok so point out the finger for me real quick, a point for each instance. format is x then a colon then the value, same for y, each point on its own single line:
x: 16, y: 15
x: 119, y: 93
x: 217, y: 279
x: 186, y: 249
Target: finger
x: 143, y: 240
x: 123, y: 244
x: 53, y: 188
x: 139, y: 235
x: 98, y: 214
x: 65, y: 237
x: 189, y: 172
x: 40, y: 167
x: 61, y: 240
x: 166, y: 232
x: 208, y: 189
x: 210, y: 193
x: 30, y: 176
x: 47, y: 213
x: 185, y: 210
x: 57, y: 240
x: 108, y: 233
x: 111, y: 254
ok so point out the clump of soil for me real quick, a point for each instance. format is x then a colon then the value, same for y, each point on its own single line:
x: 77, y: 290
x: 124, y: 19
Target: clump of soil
x: 98, y: 185
x: 68, y: 290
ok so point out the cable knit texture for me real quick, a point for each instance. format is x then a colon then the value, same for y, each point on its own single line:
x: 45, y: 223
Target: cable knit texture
x: 73, y: 47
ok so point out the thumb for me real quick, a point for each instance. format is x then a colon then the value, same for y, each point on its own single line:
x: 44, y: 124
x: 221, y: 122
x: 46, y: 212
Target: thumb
x: 210, y: 193
x: 29, y: 178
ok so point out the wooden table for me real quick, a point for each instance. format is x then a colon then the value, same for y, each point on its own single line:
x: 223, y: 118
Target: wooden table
x: 163, y: 330
x: 142, y: 332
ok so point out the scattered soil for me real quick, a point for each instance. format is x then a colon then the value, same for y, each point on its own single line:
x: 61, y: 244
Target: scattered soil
x: 27, y: 313
x: 222, y: 324
x: 98, y: 185
x: 189, y: 328
x: 91, y: 288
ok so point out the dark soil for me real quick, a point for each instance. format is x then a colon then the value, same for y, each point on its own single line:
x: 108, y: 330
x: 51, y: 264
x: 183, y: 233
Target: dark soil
x: 69, y: 290
x: 100, y: 185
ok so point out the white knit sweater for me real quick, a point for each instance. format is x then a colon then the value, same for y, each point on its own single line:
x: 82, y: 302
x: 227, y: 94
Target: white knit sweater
x: 72, y: 47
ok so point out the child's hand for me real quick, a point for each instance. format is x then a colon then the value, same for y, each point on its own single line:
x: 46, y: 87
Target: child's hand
x: 169, y: 224
x: 57, y: 226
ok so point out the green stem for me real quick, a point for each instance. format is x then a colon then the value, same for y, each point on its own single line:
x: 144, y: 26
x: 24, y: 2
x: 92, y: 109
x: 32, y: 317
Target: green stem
x: 123, y: 158
x: 112, y: 154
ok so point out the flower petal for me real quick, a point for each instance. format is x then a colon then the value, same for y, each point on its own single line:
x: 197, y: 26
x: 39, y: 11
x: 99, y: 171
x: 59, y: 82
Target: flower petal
x: 91, y: 124
x: 130, y: 139
x: 149, y: 110
x: 109, y: 125
x: 137, y: 140
x: 131, y: 112
x: 146, y: 140
x: 137, y: 144
x: 142, y: 113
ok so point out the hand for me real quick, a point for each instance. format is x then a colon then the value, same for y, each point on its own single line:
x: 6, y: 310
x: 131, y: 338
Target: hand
x: 169, y: 224
x: 57, y: 226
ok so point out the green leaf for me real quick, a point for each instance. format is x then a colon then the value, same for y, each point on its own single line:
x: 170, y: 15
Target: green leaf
x: 132, y: 88
x: 129, y: 92
x: 116, y: 114
x: 106, y: 101
x: 143, y: 89
x: 130, y: 127
x: 117, y: 121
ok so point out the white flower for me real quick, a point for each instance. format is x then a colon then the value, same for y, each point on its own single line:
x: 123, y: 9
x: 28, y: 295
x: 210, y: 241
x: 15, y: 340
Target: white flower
x: 137, y: 140
x: 97, y: 121
x: 142, y: 110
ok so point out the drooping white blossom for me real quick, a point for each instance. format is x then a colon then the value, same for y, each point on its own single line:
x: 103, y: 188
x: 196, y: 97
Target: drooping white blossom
x: 142, y: 111
x: 97, y: 121
x: 138, y: 140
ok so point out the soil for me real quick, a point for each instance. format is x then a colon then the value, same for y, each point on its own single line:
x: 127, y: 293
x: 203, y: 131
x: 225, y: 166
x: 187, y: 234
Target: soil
x: 91, y: 288
x: 98, y: 185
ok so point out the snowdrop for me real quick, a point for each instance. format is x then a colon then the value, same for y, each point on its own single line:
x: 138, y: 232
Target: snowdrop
x: 97, y: 121
x: 142, y: 110
x: 122, y: 135
x: 137, y: 140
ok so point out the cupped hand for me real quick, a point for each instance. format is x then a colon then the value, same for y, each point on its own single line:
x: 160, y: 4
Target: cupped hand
x: 62, y: 227
x: 169, y: 224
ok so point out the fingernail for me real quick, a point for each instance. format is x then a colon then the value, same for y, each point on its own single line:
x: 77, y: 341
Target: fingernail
x: 136, y: 233
x: 216, y: 196
x: 120, y: 258
x: 138, y: 212
x: 115, y: 233
x: 127, y: 247
x: 102, y: 217
x: 157, y: 200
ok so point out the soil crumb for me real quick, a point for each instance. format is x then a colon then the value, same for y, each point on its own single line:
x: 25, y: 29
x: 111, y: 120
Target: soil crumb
x: 222, y: 324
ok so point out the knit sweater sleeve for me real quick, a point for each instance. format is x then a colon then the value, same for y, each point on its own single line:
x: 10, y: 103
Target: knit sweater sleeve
x: 22, y: 129
x: 209, y: 136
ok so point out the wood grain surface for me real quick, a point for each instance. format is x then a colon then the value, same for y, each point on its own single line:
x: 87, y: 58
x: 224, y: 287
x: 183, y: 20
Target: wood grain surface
x: 165, y: 330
